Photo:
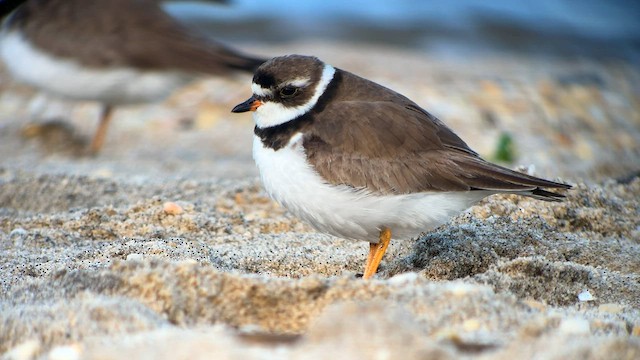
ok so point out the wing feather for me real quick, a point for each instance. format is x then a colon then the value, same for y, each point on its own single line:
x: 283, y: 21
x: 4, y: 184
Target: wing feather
x: 391, y: 147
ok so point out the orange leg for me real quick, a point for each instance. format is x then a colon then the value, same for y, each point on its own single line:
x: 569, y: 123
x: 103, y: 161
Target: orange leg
x: 101, y: 132
x: 376, y: 252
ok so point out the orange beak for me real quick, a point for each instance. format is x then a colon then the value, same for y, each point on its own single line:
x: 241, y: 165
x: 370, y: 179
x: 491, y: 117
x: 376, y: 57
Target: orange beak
x: 250, y: 105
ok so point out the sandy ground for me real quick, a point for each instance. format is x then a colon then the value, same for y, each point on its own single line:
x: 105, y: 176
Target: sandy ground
x: 165, y: 245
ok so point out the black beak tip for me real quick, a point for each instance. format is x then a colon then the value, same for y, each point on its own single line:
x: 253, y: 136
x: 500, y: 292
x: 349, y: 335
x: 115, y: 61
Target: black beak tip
x: 244, y: 107
x: 240, y: 108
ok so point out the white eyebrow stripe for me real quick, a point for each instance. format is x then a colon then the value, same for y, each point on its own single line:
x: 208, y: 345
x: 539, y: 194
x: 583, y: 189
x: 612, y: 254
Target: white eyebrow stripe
x: 260, y: 91
x: 299, y: 82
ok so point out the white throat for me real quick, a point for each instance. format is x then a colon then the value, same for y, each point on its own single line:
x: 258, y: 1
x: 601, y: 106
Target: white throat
x: 272, y: 114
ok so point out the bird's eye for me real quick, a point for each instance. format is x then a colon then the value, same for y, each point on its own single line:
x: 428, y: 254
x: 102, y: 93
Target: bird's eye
x: 288, y: 91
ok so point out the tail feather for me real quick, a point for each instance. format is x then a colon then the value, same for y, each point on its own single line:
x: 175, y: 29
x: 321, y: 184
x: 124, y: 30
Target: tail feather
x: 492, y: 177
x: 544, y: 195
x: 246, y: 63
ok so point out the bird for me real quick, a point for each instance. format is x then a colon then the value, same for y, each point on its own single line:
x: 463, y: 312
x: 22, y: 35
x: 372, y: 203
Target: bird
x: 115, y: 52
x: 360, y: 161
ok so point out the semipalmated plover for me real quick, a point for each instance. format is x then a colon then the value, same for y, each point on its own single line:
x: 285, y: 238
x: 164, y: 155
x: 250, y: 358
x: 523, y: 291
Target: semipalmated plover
x: 360, y: 161
x: 115, y: 52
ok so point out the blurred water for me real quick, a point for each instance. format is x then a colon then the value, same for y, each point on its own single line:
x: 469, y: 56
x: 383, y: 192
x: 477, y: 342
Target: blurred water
x: 546, y: 27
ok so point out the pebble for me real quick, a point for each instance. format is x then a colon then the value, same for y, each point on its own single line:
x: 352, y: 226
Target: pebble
x: 585, y: 295
x: 172, y: 208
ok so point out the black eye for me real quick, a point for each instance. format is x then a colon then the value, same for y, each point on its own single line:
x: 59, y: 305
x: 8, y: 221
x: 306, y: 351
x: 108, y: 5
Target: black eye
x: 288, y: 91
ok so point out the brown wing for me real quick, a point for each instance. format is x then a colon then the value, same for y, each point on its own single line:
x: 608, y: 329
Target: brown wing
x: 126, y: 33
x: 398, y: 148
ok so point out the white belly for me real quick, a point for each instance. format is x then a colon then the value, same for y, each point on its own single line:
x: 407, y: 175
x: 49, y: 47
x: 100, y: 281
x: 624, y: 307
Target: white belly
x: 345, y: 212
x: 66, y: 78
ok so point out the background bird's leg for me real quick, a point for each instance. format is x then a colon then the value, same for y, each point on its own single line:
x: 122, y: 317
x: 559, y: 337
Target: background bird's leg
x: 376, y: 252
x: 101, y: 132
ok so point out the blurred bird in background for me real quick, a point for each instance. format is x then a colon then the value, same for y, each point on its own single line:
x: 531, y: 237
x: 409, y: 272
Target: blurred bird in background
x: 115, y: 52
